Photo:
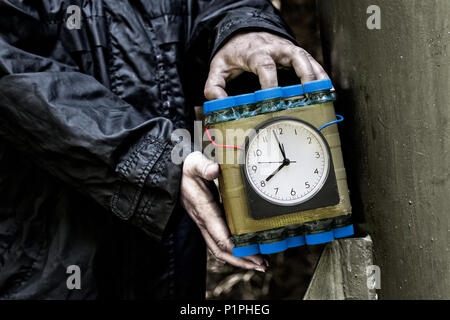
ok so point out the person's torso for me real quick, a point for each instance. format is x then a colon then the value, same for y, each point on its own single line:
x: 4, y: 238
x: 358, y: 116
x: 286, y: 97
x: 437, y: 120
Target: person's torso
x: 134, y: 48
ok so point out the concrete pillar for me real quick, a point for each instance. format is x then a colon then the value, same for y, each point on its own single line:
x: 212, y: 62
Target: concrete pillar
x: 393, y: 87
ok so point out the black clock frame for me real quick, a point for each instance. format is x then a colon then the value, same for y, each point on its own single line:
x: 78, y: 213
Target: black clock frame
x: 259, y: 208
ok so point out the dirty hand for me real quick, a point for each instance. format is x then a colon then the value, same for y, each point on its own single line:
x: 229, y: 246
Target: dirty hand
x: 260, y: 53
x: 197, y: 199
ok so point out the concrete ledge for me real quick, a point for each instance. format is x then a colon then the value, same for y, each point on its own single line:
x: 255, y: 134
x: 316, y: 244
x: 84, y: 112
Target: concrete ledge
x: 341, y: 273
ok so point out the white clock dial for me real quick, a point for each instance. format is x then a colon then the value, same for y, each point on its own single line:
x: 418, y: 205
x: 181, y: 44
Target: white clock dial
x: 287, y: 162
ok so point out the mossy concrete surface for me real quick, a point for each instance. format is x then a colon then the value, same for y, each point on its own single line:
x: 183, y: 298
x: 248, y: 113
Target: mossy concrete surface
x: 342, y: 272
x: 393, y: 88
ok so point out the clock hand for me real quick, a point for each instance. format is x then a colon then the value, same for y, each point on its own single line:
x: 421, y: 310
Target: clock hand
x: 286, y: 163
x: 280, y: 145
x: 276, y: 171
x: 269, y: 162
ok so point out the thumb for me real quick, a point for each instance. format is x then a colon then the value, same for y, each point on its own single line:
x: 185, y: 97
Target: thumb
x: 197, y: 164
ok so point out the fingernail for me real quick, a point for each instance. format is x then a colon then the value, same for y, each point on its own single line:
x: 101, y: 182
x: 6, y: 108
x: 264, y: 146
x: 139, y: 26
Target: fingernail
x: 207, y: 174
x: 260, y: 269
x: 266, y: 263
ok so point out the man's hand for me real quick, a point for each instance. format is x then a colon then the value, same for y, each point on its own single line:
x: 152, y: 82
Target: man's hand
x: 197, y: 199
x: 260, y: 53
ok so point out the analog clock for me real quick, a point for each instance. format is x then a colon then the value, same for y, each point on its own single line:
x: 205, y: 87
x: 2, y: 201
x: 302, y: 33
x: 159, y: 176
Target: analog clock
x: 287, y: 163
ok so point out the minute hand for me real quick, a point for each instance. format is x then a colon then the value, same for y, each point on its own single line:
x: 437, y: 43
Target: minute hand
x: 280, y: 145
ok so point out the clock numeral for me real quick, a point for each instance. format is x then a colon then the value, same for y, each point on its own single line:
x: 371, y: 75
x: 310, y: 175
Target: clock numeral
x: 309, y: 140
x: 293, y: 193
x: 296, y: 132
x: 281, y: 130
x: 316, y: 171
x: 317, y: 155
x: 276, y: 192
x: 255, y: 168
x: 265, y: 139
x: 307, y: 185
x: 263, y: 183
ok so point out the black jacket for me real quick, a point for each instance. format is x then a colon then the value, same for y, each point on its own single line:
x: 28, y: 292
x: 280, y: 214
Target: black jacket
x: 86, y: 117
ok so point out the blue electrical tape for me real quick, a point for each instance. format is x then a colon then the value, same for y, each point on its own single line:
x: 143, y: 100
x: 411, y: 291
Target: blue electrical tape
x: 293, y: 242
x: 244, y: 99
x: 267, y: 94
x: 273, y: 247
x: 293, y: 91
x: 219, y: 104
x: 296, y: 241
x: 240, y: 252
x: 319, y: 238
x: 318, y: 85
x: 344, y: 232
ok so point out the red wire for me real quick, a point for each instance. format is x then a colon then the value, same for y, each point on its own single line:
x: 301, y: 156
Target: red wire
x: 219, y: 145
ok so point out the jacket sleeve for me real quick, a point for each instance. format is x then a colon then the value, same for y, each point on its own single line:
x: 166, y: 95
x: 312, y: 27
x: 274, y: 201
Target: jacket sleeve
x: 215, y: 21
x: 81, y: 132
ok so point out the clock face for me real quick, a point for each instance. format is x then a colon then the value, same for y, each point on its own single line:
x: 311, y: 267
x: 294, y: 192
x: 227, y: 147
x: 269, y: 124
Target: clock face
x: 287, y: 162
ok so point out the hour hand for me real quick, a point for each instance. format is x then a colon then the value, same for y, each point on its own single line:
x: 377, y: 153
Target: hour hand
x: 280, y: 146
x: 276, y: 171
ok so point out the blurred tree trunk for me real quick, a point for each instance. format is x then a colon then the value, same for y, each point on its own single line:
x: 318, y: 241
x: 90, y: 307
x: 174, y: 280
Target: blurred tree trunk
x: 393, y: 87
